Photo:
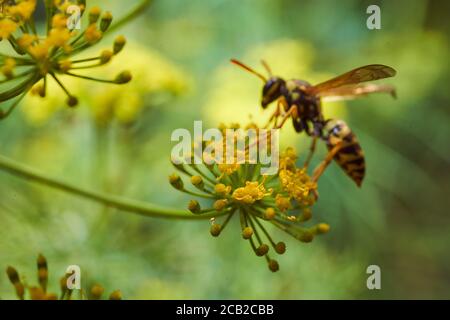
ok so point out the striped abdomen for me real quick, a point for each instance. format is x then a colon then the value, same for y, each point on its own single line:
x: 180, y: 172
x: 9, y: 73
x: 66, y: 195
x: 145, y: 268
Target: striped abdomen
x: 350, y: 156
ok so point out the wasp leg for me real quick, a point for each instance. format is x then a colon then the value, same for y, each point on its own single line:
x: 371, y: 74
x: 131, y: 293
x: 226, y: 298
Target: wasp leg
x: 312, y: 149
x: 273, y: 117
x: 281, y: 106
x: 291, y: 112
x: 324, y: 164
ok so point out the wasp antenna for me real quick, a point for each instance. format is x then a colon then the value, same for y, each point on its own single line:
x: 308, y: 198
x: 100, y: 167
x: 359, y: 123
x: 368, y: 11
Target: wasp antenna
x: 266, y: 66
x: 240, y: 64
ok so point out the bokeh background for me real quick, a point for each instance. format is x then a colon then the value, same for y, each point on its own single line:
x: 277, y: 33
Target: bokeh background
x: 118, y: 141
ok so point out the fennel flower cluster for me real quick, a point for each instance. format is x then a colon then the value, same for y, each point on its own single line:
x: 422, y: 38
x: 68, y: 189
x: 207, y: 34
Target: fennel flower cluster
x: 239, y: 189
x: 157, y: 84
x: 39, y: 55
x: 40, y: 292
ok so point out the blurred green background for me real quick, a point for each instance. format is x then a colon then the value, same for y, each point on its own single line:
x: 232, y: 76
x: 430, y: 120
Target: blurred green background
x: 118, y: 140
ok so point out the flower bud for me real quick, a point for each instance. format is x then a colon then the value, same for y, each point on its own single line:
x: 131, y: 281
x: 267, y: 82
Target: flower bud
x: 176, y: 181
x: 119, y: 43
x: 13, y: 276
x: 220, y: 204
x: 247, y: 233
x: 194, y: 206
x: 282, y: 203
x: 8, y: 68
x: 273, y: 266
x: 72, y: 101
x: 262, y: 250
x: 280, y: 247
x: 215, y: 230
x: 306, y: 214
x: 269, y: 214
x: 43, y: 278
x: 197, y: 182
x: 94, y: 14
x: 92, y: 34
x: 106, y: 56
x: 38, y: 89
x: 123, y: 77
x: 106, y: 21
x: 116, y: 295
x: 97, y: 292
x: 221, y: 189
x: 322, y: 228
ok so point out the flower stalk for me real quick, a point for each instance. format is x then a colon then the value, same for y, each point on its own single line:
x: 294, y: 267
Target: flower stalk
x: 121, y: 203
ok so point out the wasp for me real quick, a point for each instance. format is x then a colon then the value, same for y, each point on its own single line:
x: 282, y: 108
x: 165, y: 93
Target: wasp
x: 300, y: 101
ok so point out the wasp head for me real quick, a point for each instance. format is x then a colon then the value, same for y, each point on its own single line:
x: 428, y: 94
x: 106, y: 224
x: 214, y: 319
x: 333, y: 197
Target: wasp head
x: 272, y: 90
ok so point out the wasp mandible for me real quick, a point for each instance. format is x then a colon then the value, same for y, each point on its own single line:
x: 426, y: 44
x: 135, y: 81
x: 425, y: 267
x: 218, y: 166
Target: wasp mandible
x: 301, y: 101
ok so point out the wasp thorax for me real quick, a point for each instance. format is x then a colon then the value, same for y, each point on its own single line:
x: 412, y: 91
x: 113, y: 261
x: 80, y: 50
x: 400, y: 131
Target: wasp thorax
x: 271, y: 90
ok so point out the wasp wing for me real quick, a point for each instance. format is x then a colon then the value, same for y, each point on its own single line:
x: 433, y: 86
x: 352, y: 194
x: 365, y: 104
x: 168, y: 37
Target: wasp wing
x: 355, y: 76
x: 351, y: 92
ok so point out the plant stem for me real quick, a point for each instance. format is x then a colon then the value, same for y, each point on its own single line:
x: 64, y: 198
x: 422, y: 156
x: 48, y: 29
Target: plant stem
x: 130, y: 15
x: 121, y: 203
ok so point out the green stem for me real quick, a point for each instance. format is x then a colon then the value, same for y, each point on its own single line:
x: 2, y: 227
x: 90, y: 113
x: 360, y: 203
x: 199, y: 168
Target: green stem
x: 91, y: 78
x: 121, y: 203
x: 130, y: 15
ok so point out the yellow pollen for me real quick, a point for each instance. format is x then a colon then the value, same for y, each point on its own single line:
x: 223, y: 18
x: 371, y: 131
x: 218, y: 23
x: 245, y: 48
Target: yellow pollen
x: 22, y: 10
x: 26, y: 40
x: 92, y: 34
x: 58, y: 37
x: 39, y: 51
x: 59, y: 21
x: 7, y: 27
x: 282, y: 203
x: 252, y: 192
x: 8, y: 68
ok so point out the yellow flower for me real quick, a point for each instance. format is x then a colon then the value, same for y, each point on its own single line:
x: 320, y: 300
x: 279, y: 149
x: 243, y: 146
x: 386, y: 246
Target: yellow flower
x: 288, y: 159
x: 252, y: 192
x: 8, y: 68
x: 92, y: 34
x: 23, y: 10
x: 228, y: 169
x: 58, y: 37
x: 282, y: 203
x: 279, y: 200
x: 59, y: 21
x: 26, y: 40
x: 7, y: 27
x: 40, y: 292
x: 39, y: 51
x: 298, y: 184
x: 53, y: 56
